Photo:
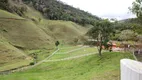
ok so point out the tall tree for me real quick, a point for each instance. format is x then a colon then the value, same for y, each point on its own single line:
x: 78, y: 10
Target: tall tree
x: 137, y: 8
x: 101, y: 32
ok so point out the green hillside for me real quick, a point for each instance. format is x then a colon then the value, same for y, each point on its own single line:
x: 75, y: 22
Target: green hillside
x: 62, y: 30
x: 19, y: 34
x: 5, y: 14
x: 23, y: 33
x: 10, y: 56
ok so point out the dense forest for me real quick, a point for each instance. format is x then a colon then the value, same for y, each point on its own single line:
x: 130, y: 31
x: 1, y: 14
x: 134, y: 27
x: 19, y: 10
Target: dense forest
x: 57, y: 10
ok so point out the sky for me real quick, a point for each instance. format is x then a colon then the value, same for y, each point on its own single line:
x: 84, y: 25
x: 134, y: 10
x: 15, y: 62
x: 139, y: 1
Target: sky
x: 104, y: 8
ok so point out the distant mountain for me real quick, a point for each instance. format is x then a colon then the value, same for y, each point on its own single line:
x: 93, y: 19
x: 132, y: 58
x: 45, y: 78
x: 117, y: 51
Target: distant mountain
x: 131, y: 20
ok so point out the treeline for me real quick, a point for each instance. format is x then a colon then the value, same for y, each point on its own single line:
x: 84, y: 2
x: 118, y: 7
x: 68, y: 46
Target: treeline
x: 129, y: 29
x: 57, y: 10
x: 132, y: 24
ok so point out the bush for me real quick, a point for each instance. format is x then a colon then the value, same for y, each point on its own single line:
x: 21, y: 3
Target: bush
x: 75, y: 41
x: 128, y: 35
x: 32, y: 63
x: 57, y: 43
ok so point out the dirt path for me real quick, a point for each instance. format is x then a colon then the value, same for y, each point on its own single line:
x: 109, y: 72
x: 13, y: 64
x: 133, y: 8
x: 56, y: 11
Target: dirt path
x: 73, y: 50
x: 70, y: 58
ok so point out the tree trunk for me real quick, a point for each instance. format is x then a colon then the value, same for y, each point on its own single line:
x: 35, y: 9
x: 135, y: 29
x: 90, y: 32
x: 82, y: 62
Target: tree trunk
x: 100, y: 47
x: 100, y: 51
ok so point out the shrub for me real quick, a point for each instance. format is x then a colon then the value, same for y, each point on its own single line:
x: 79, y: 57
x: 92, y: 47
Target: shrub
x: 32, y: 63
x: 57, y: 43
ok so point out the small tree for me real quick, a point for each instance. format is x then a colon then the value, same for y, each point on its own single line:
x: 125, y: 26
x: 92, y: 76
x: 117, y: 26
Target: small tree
x: 75, y: 41
x: 57, y: 43
x: 101, y: 31
x: 35, y: 56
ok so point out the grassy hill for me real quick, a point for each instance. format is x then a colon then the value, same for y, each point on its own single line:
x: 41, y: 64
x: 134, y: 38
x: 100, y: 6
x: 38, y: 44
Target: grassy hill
x: 22, y: 32
x: 11, y: 57
x: 5, y: 14
x: 29, y: 33
x: 62, y: 30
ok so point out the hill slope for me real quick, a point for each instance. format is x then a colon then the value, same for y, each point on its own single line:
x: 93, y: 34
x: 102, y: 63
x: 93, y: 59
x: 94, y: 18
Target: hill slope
x: 25, y: 28
x: 11, y: 57
x: 18, y: 34
x: 22, y: 32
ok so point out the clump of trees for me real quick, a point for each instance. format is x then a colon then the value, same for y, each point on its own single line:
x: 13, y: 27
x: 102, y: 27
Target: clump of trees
x: 4, y: 4
x: 126, y: 35
x: 137, y: 10
x: 128, y: 30
x: 13, y: 7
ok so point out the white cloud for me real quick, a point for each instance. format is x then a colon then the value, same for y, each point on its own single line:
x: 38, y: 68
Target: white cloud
x: 104, y: 8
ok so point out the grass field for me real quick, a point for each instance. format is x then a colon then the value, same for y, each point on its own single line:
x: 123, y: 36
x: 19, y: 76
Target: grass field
x: 72, y: 53
x: 84, y: 68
